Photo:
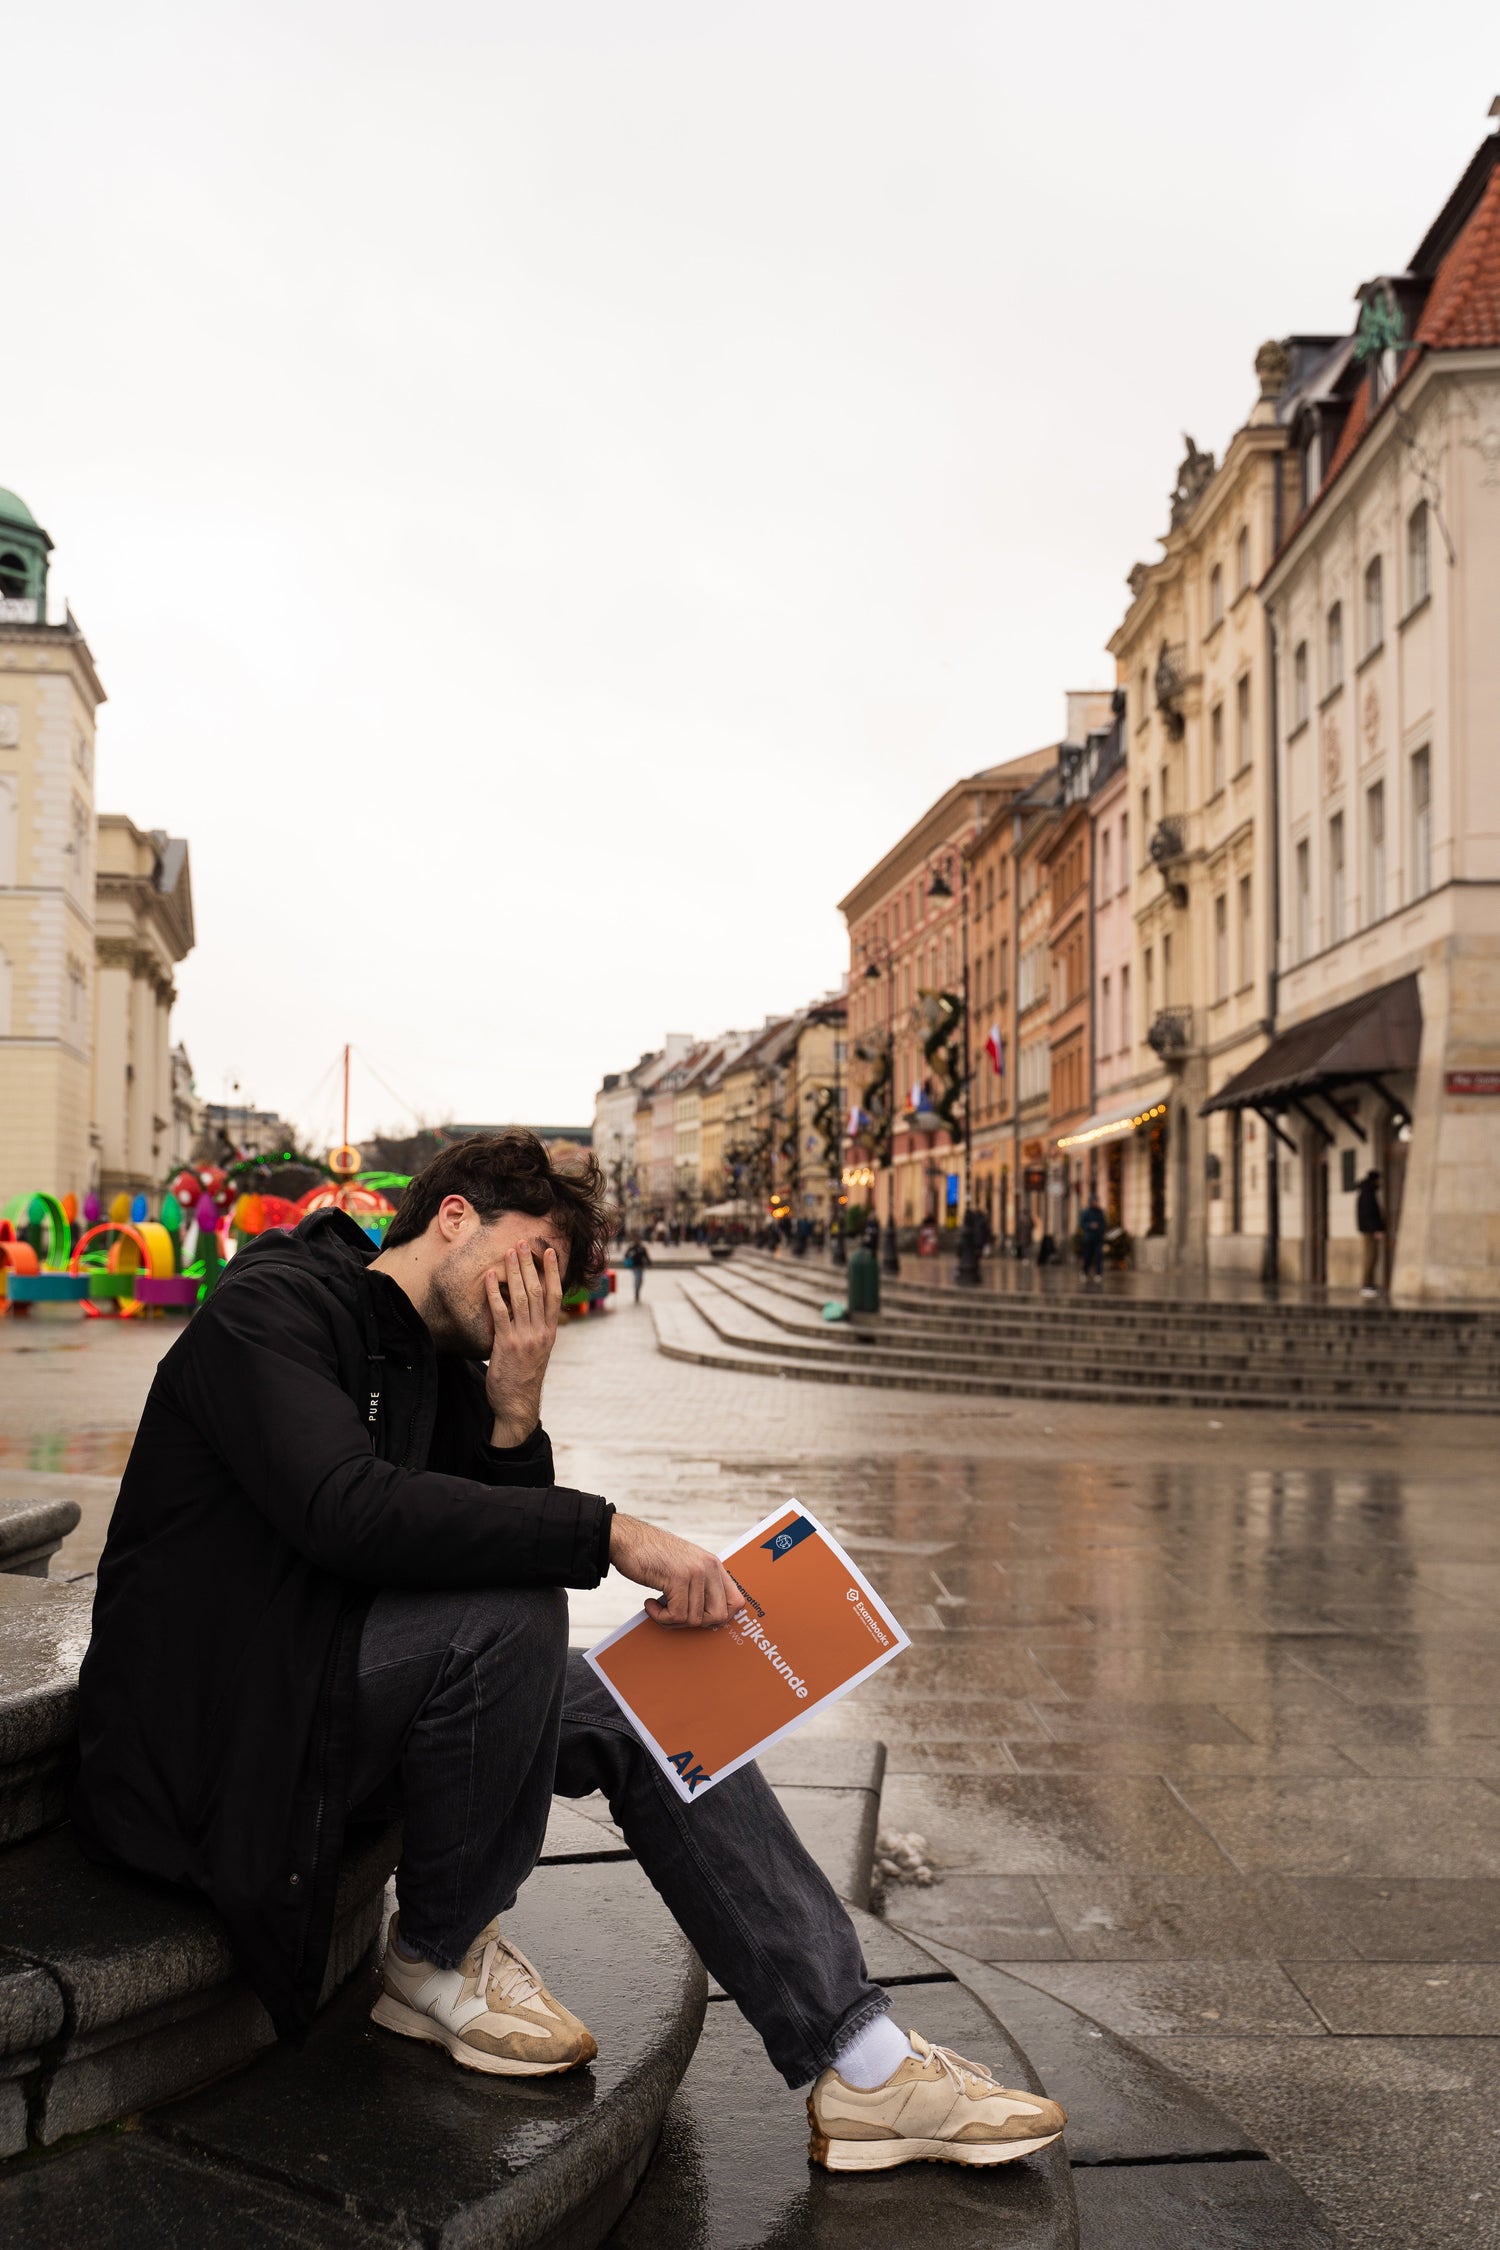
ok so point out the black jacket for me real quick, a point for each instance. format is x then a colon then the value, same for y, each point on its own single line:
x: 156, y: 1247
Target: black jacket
x: 1368, y: 1216
x: 260, y: 1511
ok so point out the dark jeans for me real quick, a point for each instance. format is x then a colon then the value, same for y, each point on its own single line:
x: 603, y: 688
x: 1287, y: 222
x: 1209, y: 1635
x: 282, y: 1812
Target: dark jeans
x: 472, y: 1706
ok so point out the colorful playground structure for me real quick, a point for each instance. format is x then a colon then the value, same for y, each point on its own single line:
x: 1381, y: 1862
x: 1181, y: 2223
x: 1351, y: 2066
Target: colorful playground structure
x: 132, y: 1262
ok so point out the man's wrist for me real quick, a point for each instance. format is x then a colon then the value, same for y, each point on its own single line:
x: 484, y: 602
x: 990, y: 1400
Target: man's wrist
x: 509, y: 1432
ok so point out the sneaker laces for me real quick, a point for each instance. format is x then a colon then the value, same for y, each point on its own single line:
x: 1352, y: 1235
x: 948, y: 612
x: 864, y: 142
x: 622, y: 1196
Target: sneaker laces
x: 506, y: 1968
x: 958, y: 2069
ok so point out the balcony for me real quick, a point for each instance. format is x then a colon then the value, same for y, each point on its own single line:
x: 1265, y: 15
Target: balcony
x: 1171, y: 1033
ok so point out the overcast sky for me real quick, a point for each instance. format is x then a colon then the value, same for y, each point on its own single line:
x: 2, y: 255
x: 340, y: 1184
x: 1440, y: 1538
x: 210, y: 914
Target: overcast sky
x: 553, y: 491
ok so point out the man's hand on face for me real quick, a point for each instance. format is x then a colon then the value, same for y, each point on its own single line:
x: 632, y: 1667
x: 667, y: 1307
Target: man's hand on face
x: 525, y: 1332
x: 695, y: 1587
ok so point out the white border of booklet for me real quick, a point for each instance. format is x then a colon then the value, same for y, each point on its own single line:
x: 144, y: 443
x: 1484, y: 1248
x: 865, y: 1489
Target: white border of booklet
x: 900, y: 1640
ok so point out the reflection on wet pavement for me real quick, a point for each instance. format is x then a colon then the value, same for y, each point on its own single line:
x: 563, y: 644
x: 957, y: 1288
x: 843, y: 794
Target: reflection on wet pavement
x: 1200, y: 1719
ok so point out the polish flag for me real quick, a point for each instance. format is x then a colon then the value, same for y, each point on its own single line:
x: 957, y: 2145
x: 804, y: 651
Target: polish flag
x: 994, y: 1047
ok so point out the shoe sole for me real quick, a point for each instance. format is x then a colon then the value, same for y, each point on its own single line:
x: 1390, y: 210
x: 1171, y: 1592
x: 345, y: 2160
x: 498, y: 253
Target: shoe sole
x: 884, y: 2156
x: 394, y: 2015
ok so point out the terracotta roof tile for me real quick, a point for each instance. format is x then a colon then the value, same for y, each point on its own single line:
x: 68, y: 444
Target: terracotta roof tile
x: 1356, y: 422
x: 1463, y: 305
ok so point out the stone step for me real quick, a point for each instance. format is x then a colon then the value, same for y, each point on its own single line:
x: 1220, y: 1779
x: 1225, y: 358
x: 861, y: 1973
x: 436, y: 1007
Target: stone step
x: 363, y: 2137
x: 731, y: 2170
x: 31, y: 1531
x: 1377, y: 1325
x: 737, y: 1319
x: 801, y: 1316
x: 683, y: 1333
x: 1059, y: 1288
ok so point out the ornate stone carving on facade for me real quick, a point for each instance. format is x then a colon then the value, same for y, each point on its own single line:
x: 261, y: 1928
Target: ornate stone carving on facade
x: 1333, y: 755
x: 10, y: 725
x: 1192, y: 476
x: 1136, y: 578
x: 1169, y: 686
x: 1370, y: 719
x: 1273, y: 367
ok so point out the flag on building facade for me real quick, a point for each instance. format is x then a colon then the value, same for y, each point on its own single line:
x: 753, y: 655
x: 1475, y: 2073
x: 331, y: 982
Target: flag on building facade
x: 994, y: 1047
x: 858, y: 1120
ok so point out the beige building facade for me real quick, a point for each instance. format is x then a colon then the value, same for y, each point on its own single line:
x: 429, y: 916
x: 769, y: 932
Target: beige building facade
x: 1385, y: 604
x: 49, y: 694
x: 1192, y: 657
x: 143, y: 928
x: 94, y: 916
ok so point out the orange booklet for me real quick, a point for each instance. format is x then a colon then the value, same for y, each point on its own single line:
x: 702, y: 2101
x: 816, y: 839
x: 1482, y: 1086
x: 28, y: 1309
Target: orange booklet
x: 810, y: 1627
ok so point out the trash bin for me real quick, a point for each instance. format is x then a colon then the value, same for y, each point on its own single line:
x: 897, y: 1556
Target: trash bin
x: 864, y: 1280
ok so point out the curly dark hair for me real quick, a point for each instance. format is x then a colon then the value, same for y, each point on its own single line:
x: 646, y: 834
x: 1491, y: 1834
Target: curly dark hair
x: 499, y: 1172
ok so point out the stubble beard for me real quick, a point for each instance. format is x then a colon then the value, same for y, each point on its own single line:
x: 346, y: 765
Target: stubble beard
x: 459, y: 1323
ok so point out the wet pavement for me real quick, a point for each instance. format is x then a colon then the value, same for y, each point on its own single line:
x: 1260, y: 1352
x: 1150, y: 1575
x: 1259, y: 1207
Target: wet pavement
x: 1200, y: 1722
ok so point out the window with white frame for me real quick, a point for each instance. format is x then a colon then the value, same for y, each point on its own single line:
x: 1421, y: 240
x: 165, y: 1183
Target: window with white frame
x: 1374, y: 605
x: 1300, y: 703
x: 1418, y: 565
x: 1421, y: 822
x: 1302, y: 897
x: 1336, y: 908
x: 1335, y: 644
x: 1375, y: 852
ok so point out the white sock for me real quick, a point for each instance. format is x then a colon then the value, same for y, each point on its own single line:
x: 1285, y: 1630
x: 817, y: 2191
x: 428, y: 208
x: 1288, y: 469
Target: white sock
x: 873, y: 2053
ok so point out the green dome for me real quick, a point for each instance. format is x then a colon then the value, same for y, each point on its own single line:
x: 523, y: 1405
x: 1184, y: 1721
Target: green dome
x: 13, y: 509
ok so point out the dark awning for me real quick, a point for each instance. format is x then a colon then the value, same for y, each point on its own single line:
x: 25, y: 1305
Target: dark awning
x: 1380, y: 1031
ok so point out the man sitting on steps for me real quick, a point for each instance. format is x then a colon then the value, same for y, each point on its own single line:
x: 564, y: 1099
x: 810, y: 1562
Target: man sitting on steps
x: 336, y: 1567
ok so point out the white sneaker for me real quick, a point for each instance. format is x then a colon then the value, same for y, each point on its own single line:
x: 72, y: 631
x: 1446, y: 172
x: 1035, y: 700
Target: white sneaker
x: 493, y: 2014
x: 935, y: 2108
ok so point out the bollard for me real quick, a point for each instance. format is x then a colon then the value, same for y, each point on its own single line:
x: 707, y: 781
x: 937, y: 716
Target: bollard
x: 864, y: 1281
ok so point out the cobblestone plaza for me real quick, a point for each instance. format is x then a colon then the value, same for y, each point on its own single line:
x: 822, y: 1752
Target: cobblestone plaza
x: 1199, y: 1721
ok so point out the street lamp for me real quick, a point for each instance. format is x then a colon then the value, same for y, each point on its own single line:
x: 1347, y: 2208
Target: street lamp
x: 967, y: 1275
x: 890, y: 1258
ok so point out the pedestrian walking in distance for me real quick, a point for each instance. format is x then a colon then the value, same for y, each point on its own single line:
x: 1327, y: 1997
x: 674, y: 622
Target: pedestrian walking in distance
x: 637, y: 1258
x: 1092, y: 1225
x: 1370, y: 1219
x: 341, y: 1519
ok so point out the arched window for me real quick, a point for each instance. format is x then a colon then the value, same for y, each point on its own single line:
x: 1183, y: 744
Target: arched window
x: 1418, y: 580
x: 1374, y: 606
x: 13, y: 583
x: 1335, y: 647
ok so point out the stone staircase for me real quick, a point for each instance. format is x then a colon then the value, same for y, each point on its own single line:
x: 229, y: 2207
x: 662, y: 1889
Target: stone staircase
x: 763, y: 1316
x: 143, y: 2105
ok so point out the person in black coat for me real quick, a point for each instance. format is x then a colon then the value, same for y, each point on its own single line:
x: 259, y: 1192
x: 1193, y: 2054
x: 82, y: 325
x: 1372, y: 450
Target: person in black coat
x: 1370, y: 1220
x: 333, y: 1575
